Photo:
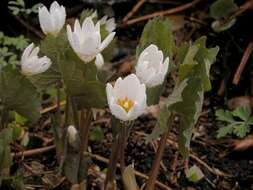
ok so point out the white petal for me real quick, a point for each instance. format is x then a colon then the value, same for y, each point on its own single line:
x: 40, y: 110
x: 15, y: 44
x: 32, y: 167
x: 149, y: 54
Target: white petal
x: 110, y: 25
x: 54, y: 6
x: 90, y: 45
x: 78, y: 29
x: 156, y: 80
x: 45, y: 20
x: 135, y: 112
x: 88, y: 26
x: 119, y: 112
x: 73, y: 40
x: 86, y: 58
x: 107, y: 41
x: 45, y: 63
x: 109, y: 93
x: 166, y: 65
x: 35, y: 51
x: 128, y: 87
x: 58, y: 20
x: 103, y: 20
x: 27, y: 52
x: 99, y: 61
x: 35, y: 65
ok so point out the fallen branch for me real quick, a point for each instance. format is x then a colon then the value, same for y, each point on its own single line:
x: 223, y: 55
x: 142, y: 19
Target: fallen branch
x: 247, y: 5
x: 29, y: 27
x: 134, y: 10
x: 162, y: 13
x: 32, y: 152
x: 53, y: 107
x: 243, y: 62
x: 174, y: 144
x: 137, y: 173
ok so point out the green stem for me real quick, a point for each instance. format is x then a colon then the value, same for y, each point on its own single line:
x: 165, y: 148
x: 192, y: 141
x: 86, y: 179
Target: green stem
x: 61, y: 144
x: 85, y: 122
x: 58, y: 99
x: 75, y: 112
x: 110, y: 175
x: 125, y: 130
x: 118, y: 153
x: 158, y: 157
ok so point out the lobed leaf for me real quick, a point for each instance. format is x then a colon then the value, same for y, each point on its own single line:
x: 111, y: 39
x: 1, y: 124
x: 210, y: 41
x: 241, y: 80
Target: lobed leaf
x: 222, y: 8
x: 17, y: 93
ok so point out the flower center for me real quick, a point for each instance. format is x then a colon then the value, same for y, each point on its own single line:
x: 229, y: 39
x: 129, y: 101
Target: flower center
x: 125, y: 103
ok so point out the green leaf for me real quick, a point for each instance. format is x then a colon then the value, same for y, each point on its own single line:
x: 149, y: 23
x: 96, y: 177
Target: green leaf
x: 242, y: 112
x: 238, y: 128
x: 79, y: 79
x: 20, y: 119
x: 194, y: 174
x: 153, y: 94
x: 86, y: 13
x: 16, y: 90
x: 196, y: 71
x: 97, y: 134
x: 241, y: 130
x: 250, y: 121
x: 222, y: 8
x: 129, y: 178
x: 162, y: 123
x: 159, y: 32
x: 224, y: 115
x: 6, y: 136
x: 17, y: 131
x: 224, y: 131
x: 5, y: 150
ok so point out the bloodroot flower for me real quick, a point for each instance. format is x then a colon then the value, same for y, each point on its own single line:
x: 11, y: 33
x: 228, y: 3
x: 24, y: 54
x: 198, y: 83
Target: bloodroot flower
x: 52, y: 20
x: 127, y: 98
x: 31, y: 64
x: 86, y: 40
x: 151, y: 69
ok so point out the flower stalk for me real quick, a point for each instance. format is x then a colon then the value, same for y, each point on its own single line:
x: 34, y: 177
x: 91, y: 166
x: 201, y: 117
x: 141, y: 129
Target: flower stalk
x: 158, y: 157
x: 117, y: 154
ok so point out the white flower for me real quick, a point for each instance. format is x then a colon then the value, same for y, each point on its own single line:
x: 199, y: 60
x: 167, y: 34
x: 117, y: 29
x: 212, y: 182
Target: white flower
x: 150, y: 68
x: 110, y: 24
x: 127, y: 99
x: 72, y: 133
x: 52, y: 21
x: 31, y: 64
x: 86, y: 40
x: 99, y: 61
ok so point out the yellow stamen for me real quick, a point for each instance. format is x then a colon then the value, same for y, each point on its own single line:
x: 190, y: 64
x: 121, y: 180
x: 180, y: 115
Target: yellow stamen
x: 125, y: 103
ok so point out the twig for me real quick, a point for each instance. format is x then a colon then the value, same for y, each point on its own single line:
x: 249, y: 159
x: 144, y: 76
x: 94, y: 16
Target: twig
x: 35, y: 173
x: 243, y: 62
x: 33, y: 151
x: 174, y: 144
x: 162, y: 13
x: 134, y: 10
x: 137, y: 173
x: 29, y: 27
x: 53, y: 107
x: 247, y: 5
x: 222, y: 88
